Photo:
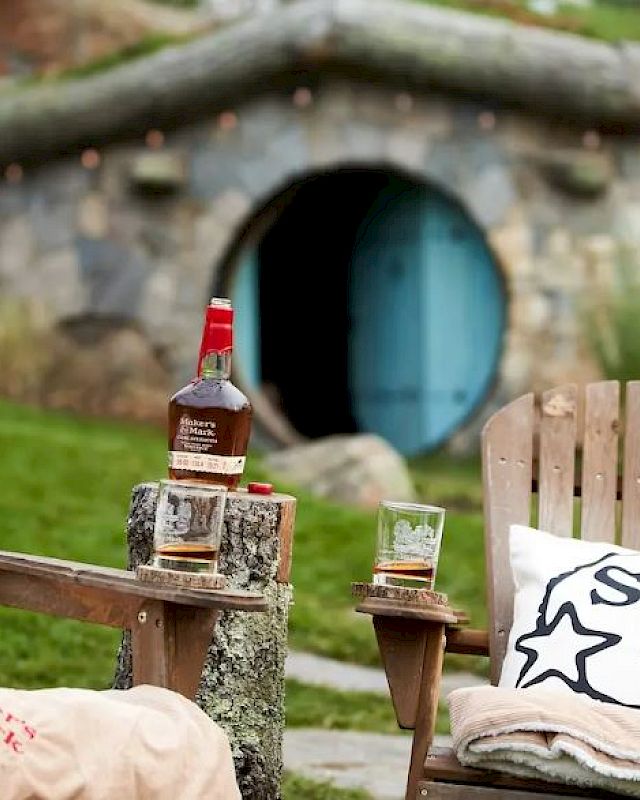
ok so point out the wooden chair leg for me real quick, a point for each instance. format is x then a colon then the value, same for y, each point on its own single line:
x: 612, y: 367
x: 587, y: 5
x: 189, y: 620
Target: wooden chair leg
x: 427, y: 707
x: 169, y: 644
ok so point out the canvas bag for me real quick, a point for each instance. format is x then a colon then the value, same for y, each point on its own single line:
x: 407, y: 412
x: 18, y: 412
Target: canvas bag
x: 141, y: 744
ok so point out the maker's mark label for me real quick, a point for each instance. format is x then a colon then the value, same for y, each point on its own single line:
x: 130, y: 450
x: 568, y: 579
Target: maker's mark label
x: 205, y: 462
x: 196, y: 435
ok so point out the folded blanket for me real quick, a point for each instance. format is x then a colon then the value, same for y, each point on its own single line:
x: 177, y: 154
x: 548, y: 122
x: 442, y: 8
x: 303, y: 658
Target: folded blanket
x: 142, y: 744
x: 556, y: 737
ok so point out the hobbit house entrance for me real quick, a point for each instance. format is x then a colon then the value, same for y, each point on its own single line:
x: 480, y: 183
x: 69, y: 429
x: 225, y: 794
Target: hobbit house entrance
x: 367, y: 301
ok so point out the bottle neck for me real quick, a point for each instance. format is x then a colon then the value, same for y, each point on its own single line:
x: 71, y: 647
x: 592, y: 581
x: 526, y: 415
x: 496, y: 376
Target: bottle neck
x: 216, y: 365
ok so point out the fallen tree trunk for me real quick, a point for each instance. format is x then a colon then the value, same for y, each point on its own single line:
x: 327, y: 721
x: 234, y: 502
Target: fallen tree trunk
x: 242, y: 686
x: 406, y: 44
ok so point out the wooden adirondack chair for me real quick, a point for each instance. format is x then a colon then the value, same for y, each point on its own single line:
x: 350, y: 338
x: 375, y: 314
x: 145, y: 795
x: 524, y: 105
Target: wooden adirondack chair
x: 526, y: 450
x: 170, y: 628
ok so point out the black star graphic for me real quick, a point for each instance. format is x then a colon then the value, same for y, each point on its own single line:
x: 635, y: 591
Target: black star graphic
x: 581, y: 684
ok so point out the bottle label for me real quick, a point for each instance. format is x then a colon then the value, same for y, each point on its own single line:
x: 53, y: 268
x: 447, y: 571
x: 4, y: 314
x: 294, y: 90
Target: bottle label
x: 204, y: 462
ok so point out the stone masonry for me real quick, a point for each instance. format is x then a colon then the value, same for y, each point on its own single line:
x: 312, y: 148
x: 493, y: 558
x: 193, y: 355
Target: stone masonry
x: 141, y: 230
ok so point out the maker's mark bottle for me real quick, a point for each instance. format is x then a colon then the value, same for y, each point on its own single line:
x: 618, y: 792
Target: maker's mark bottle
x: 210, y: 419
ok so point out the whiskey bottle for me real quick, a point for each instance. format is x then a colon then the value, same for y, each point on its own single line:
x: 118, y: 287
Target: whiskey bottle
x: 210, y: 419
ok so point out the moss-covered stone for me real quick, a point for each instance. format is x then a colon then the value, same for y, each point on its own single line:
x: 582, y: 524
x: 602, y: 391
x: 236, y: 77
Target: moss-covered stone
x: 578, y: 174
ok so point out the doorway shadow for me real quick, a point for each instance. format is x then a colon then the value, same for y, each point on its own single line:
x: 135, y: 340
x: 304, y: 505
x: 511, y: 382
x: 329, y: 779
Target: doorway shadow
x: 304, y: 268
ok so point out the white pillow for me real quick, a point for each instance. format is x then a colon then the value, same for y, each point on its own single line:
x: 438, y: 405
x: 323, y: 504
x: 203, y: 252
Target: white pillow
x: 576, y: 621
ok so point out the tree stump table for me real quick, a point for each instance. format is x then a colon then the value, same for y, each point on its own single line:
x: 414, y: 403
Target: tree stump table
x: 242, y: 684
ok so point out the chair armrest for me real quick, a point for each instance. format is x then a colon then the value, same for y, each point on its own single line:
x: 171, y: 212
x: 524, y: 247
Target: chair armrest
x: 380, y: 606
x: 100, y: 594
x: 459, y: 639
x: 467, y: 641
x: 411, y: 640
x: 411, y: 644
x: 171, y: 628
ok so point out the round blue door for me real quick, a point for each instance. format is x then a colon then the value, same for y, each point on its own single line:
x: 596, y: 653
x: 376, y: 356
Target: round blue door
x: 427, y: 312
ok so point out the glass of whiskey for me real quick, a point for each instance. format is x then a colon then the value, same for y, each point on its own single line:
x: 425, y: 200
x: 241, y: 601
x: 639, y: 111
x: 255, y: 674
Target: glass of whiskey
x: 188, y: 526
x: 409, y: 538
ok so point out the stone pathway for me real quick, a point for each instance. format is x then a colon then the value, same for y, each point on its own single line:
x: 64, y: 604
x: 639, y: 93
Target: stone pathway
x: 320, y: 671
x: 375, y: 762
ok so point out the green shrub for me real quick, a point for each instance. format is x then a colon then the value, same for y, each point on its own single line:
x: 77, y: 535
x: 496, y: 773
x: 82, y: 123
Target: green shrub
x: 613, y: 327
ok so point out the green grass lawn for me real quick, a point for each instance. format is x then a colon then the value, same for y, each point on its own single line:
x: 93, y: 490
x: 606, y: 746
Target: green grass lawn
x: 295, y: 787
x: 64, y: 491
x: 320, y: 707
x: 603, y: 19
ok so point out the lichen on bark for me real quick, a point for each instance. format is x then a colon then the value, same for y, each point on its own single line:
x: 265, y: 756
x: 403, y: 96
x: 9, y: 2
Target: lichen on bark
x: 242, y: 686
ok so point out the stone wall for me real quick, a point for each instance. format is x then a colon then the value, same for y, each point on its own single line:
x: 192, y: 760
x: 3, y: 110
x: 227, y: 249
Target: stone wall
x: 141, y: 229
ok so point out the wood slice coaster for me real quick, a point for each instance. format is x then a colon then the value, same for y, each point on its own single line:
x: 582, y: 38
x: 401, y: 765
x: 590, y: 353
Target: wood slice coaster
x: 399, y: 594
x: 181, y: 580
x: 407, y: 603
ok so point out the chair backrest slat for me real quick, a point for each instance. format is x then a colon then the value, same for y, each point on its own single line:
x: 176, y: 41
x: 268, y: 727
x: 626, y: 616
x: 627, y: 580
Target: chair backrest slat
x: 507, y: 459
x: 600, y: 461
x: 631, y: 475
x: 558, y: 424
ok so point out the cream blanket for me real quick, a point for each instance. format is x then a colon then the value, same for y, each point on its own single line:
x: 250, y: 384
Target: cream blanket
x: 142, y: 744
x: 552, y: 736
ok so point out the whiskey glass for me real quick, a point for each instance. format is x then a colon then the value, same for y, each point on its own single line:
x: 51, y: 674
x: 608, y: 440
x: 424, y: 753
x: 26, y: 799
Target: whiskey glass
x: 188, y: 526
x: 409, y: 538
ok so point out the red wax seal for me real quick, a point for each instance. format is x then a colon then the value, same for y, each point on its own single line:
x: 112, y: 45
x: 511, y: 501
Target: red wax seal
x: 217, y: 335
x: 260, y: 488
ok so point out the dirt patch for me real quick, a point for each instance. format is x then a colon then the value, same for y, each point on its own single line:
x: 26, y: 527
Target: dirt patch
x: 48, y: 36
